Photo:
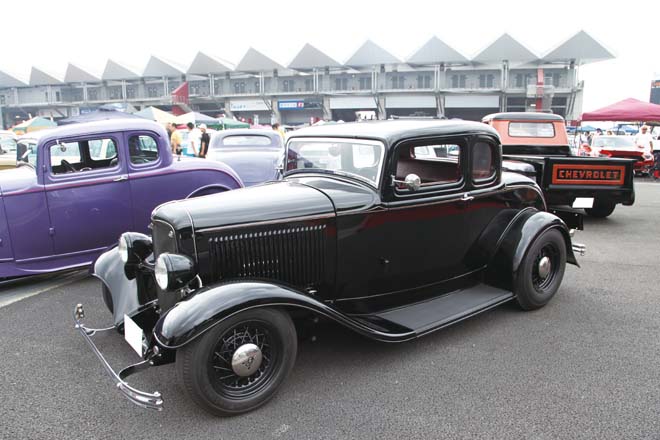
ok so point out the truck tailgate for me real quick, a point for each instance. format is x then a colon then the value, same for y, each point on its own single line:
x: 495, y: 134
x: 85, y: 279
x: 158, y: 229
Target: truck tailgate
x: 563, y: 179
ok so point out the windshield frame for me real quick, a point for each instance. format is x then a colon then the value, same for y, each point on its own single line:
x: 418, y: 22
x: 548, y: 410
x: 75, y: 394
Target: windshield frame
x: 376, y: 184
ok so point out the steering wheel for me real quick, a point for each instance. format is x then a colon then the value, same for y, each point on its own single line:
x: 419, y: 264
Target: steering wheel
x: 69, y: 168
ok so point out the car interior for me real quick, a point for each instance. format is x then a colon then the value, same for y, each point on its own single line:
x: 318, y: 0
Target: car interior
x: 434, y: 164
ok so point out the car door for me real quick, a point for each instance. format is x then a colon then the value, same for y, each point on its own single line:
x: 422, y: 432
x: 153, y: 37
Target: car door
x: 88, y: 194
x: 416, y: 238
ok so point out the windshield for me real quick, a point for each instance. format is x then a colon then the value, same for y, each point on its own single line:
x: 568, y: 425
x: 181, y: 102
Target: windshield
x: 613, y: 142
x: 361, y: 159
x: 26, y: 151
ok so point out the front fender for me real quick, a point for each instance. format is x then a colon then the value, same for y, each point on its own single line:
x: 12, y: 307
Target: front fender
x: 518, y: 237
x: 109, y: 268
x: 210, y: 306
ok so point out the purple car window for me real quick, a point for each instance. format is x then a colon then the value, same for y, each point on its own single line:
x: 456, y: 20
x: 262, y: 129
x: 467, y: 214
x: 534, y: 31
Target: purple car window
x: 142, y: 149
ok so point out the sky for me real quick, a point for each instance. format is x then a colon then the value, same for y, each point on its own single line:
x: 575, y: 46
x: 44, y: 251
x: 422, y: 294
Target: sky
x: 87, y: 33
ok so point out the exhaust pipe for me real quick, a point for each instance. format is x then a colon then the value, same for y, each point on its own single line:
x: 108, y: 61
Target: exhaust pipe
x: 580, y: 248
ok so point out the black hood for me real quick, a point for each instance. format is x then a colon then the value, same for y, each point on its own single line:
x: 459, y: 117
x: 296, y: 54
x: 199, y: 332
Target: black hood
x: 262, y: 203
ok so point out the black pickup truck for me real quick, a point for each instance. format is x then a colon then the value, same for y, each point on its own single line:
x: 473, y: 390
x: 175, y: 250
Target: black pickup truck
x: 536, y: 145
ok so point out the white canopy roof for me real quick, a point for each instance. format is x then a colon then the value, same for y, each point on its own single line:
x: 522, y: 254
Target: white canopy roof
x: 204, y: 64
x: 371, y: 54
x: 581, y: 48
x: 436, y: 51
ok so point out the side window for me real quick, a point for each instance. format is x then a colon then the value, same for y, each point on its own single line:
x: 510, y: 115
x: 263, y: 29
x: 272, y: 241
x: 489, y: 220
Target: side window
x: 142, y: 149
x: 483, y: 162
x: 65, y: 157
x: 435, y: 164
x: 82, y: 156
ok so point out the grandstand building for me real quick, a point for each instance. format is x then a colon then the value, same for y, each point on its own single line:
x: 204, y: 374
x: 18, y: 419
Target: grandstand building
x: 436, y: 80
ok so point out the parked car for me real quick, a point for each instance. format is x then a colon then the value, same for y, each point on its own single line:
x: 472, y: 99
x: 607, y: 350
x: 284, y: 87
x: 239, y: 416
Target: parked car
x: 256, y: 155
x: 7, y: 149
x: 391, y: 245
x: 622, y: 147
x: 536, y: 145
x: 78, y: 187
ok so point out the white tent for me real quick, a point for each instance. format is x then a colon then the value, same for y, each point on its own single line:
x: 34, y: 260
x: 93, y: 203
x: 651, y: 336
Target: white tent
x: 156, y: 114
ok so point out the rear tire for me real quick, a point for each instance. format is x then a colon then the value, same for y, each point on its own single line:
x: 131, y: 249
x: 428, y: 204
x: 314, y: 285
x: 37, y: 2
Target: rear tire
x: 533, y: 287
x: 208, y: 370
x: 601, y: 209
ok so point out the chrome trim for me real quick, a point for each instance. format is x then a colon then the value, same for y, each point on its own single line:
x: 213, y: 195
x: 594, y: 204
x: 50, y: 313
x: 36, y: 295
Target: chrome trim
x: 194, y: 238
x: 140, y: 398
x: 580, y: 248
x: 268, y: 222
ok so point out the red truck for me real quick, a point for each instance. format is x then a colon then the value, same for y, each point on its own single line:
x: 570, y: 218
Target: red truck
x: 536, y: 145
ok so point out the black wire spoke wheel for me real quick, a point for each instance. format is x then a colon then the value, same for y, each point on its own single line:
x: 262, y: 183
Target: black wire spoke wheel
x: 240, y: 363
x: 261, y: 364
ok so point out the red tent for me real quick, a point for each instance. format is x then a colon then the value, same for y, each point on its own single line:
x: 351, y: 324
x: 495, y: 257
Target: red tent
x: 627, y: 110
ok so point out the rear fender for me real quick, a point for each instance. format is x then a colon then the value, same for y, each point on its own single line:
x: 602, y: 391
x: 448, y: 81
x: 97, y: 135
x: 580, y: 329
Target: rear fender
x: 210, y: 306
x: 516, y: 240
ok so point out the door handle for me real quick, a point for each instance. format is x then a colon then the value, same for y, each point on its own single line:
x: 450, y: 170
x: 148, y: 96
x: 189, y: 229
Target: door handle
x: 120, y: 179
x: 467, y: 197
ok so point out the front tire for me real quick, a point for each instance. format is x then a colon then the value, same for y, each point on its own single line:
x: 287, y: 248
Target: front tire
x: 239, y: 365
x: 601, y: 209
x: 541, y: 271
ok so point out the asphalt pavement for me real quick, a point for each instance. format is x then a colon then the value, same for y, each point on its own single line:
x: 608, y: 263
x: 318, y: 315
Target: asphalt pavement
x: 585, y: 366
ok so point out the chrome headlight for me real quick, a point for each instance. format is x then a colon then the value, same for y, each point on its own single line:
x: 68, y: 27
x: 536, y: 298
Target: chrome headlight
x: 174, y: 271
x: 134, y: 247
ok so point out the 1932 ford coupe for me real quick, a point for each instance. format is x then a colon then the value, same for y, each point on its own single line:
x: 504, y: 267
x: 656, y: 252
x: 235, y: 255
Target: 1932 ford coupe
x: 393, y: 229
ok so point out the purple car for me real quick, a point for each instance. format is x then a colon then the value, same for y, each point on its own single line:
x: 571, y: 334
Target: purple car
x: 78, y: 187
x: 256, y: 155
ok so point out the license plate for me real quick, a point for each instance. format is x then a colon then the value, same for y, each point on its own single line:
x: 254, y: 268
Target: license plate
x: 583, y: 202
x: 133, y: 334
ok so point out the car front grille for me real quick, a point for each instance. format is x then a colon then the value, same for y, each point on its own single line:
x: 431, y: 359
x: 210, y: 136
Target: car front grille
x: 294, y: 255
x: 163, y: 238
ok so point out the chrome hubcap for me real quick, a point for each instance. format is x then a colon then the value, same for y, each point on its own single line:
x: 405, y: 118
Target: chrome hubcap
x: 544, y: 267
x: 246, y: 360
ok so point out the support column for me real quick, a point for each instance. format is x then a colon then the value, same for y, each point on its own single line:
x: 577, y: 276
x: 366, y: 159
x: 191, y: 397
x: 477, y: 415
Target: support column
x: 327, y: 111
x: 382, y: 110
x: 123, y: 90
x: 275, y: 111
x: 440, y: 105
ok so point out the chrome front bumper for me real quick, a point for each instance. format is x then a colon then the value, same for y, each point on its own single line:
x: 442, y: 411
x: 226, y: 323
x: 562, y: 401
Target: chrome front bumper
x: 140, y: 398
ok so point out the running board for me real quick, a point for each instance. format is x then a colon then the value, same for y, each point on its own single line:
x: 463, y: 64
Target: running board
x: 427, y: 316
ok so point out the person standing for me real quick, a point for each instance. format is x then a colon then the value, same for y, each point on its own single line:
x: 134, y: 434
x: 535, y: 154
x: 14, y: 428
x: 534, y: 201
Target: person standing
x: 204, y: 141
x: 191, y: 138
x: 175, y: 141
x: 278, y: 129
x: 644, y: 139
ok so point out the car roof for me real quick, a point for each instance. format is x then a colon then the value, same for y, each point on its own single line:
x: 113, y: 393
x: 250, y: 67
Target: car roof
x: 522, y: 116
x: 393, y: 131
x: 105, y: 126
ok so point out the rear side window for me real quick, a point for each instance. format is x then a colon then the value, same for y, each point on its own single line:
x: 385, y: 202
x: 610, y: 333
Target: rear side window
x: 142, y: 149
x: 435, y: 164
x: 483, y: 162
x: 532, y: 129
x: 249, y: 140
